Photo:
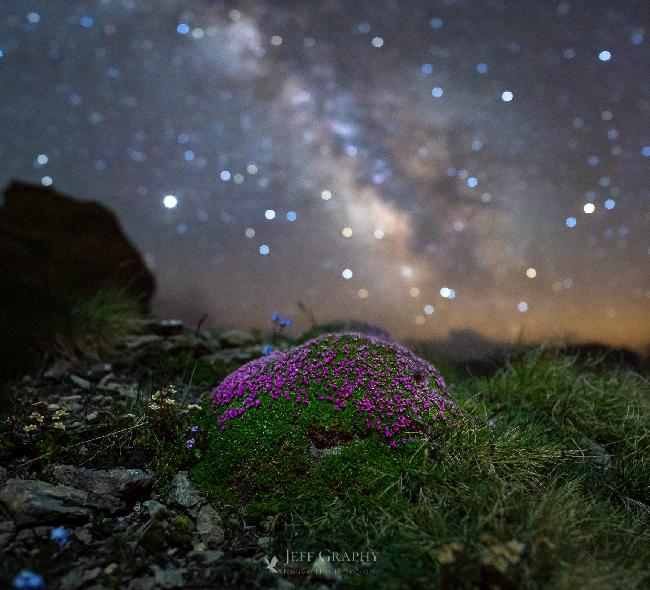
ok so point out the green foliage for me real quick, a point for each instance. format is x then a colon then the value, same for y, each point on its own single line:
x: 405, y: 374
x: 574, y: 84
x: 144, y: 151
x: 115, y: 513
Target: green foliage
x: 153, y: 537
x: 342, y: 326
x: 514, y: 496
x: 183, y: 529
x: 603, y: 412
x: 166, y: 423
x: 186, y: 368
x: 49, y: 443
x: 95, y: 324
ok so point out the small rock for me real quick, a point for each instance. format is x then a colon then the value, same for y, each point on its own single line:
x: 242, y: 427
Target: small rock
x: 57, y: 370
x: 319, y: 454
x: 144, y: 583
x: 92, y: 416
x: 84, y: 535
x: 596, y: 453
x: 110, y: 568
x: 234, y: 355
x: 236, y: 338
x: 264, y: 542
x: 151, y: 507
x: 7, y: 530
x: 211, y: 556
x: 324, y: 568
x: 164, y: 327
x: 78, y: 577
x: 73, y: 579
x: 108, y: 383
x: 182, y: 493
x: 80, y: 381
x: 30, y: 536
x: 92, y: 574
x: 112, y: 489
x: 170, y: 577
x: 184, y: 342
x: 209, y: 526
x: 72, y: 402
x: 98, y: 371
x: 135, y: 341
x: 207, y: 556
x: 31, y: 501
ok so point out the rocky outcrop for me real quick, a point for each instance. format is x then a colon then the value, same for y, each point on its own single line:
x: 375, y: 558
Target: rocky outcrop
x: 55, y: 251
x: 183, y: 494
x: 52, y: 243
x: 98, y: 492
x: 209, y: 526
x: 111, y: 489
x: 31, y: 502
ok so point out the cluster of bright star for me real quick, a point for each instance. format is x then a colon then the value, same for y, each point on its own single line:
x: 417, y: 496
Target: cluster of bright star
x: 333, y: 124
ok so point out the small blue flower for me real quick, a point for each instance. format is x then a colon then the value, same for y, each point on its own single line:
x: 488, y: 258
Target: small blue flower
x: 28, y: 580
x: 267, y: 349
x: 276, y: 317
x: 194, y: 429
x: 190, y: 443
x: 285, y: 323
x: 60, y: 536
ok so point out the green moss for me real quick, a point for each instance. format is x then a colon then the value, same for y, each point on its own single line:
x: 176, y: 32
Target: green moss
x: 512, y: 471
x: 186, y: 368
x: 51, y: 445
x: 153, y: 537
x: 183, y: 529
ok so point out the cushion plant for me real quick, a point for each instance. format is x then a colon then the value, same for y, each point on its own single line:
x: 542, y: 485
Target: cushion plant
x: 374, y: 385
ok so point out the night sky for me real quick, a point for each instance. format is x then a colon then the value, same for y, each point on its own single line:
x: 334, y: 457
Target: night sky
x: 423, y: 166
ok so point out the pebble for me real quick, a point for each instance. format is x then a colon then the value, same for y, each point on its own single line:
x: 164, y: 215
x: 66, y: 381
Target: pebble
x: 182, y: 493
x: 80, y: 381
x: 209, y: 526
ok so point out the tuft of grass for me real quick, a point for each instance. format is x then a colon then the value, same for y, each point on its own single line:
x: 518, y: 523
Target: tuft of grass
x: 96, y: 324
x: 602, y: 412
x: 542, y: 483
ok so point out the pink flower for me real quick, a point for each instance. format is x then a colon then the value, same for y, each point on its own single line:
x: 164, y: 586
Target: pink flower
x: 386, y: 385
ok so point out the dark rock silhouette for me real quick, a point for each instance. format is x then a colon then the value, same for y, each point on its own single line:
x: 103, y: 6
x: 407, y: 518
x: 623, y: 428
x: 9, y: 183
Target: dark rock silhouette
x: 56, y: 250
x: 54, y: 244
x: 608, y: 356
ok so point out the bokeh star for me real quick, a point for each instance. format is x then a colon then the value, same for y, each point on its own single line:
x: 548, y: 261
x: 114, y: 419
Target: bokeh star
x: 423, y: 166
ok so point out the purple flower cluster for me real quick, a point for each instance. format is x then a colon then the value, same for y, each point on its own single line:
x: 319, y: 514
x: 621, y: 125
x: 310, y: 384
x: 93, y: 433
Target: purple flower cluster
x: 280, y: 321
x: 386, y: 385
x: 190, y: 442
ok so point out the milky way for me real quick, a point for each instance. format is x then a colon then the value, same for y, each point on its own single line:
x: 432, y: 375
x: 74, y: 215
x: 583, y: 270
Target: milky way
x: 423, y: 166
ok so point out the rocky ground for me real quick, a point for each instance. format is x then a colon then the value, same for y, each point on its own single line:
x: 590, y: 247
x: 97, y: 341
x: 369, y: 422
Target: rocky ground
x: 110, y: 480
x: 94, y: 491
